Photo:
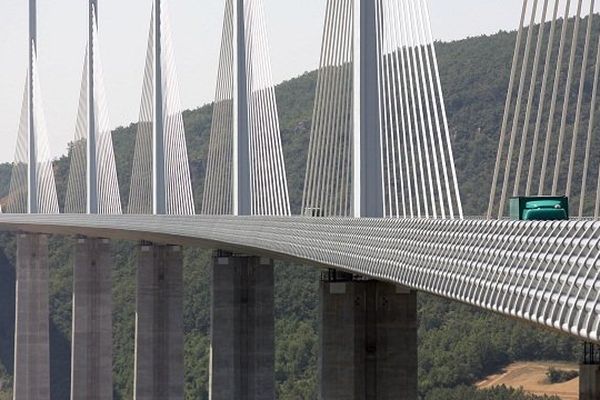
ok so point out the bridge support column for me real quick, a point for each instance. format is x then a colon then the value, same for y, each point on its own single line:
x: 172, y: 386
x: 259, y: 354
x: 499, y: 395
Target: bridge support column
x: 91, y: 355
x: 32, y: 349
x: 589, y: 382
x: 368, y: 341
x: 589, y: 373
x: 242, y: 329
x: 159, y: 324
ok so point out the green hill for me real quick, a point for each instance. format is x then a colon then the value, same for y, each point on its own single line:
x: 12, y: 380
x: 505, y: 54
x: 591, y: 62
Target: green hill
x: 457, y: 344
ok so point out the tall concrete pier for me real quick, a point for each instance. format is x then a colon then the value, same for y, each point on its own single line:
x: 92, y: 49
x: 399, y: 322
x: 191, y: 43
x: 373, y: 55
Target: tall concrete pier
x: 32, y: 350
x: 91, y: 355
x: 242, y: 329
x: 368, y: 341
x: 159, y: 323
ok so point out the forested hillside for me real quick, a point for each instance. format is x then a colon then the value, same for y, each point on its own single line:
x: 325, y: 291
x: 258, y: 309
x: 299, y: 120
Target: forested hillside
x: 457, y: 344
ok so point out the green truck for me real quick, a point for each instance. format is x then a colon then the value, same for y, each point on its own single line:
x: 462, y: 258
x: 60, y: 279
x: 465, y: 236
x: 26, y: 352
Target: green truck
x: 540, y: 208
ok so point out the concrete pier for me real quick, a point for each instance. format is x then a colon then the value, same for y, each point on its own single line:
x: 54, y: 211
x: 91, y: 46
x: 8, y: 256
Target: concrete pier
x: 32, y: 350
x: 242, y: 329
x: 91, y: 351
x: 589, y: 373
x: 368, y: 341
x: 589, y: 382
x: 159, y: 324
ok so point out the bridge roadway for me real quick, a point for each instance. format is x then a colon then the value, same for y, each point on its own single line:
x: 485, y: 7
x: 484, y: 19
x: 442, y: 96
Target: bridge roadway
x: 543, y: 272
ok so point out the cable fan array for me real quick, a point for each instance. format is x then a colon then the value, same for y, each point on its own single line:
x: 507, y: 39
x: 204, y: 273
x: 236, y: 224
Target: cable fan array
x: 548, y: 142
x: 419, y: 177
x: 218, y: 196
x: 414, y: 121
x: 46, y: 197
x: 327, y: 186
x: 268, y: 180
x: 109, y: 201
x: 178, y: 186
x: 418, y: 174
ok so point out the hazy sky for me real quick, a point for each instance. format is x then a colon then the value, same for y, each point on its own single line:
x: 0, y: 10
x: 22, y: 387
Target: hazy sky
x: 294, y: 28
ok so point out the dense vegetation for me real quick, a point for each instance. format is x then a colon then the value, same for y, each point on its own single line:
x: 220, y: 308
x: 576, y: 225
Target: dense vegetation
x: 457, y: 344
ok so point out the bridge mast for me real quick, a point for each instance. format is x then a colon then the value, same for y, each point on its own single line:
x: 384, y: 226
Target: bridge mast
x: 92, y: 170
x: 32, y: 203
x: 158, y: 159
x: 367, y: 168
x: 241, y: 148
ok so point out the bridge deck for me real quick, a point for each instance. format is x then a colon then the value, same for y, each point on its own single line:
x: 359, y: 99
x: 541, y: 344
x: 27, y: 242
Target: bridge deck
x: 543, y: 272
